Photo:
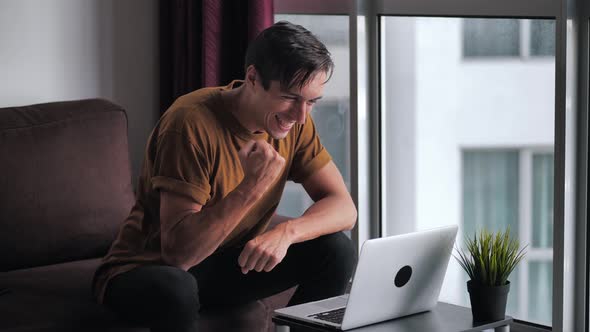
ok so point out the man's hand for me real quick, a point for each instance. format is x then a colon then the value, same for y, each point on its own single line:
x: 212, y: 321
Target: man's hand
x: 265, y: 251
x: 261, y: 163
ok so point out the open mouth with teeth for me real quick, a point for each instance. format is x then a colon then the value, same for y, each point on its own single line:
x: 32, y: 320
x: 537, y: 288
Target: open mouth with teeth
x: 284, y: 125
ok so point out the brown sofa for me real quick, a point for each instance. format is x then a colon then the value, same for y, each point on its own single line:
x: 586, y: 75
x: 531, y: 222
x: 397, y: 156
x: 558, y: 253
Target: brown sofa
x: 65, y: 187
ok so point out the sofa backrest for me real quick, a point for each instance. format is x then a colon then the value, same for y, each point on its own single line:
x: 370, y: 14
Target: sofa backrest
x: 65, y: 181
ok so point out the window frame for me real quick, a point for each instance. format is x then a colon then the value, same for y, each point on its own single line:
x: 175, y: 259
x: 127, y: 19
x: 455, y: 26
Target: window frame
x: 583, y: 307
x: 570, y: 245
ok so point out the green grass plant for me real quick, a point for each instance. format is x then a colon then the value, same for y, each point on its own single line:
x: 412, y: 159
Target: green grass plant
x: 489, y: 257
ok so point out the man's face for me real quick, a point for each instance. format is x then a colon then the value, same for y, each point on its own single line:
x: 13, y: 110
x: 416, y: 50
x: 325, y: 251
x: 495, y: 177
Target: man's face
x: 279, y: 110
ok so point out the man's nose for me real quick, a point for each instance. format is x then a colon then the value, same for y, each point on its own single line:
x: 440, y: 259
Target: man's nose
x: 300, y: 112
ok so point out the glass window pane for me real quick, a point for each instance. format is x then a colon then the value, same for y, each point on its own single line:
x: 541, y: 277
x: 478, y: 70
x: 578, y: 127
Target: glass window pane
x: 543, y: 200
x: 490, y: 191
x: 491, y: 37
x: 294, y: 201
x: 456, y: 138
x: 331, y: 114
x: 540, y: 275
x: 333, y: 124
x: 542, y: 38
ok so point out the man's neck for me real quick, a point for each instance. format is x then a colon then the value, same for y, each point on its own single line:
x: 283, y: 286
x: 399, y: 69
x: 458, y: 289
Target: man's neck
x: 240, y: 106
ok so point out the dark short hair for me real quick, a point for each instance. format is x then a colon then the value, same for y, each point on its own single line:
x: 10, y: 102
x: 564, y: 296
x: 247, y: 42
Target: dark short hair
x: 288, y: 53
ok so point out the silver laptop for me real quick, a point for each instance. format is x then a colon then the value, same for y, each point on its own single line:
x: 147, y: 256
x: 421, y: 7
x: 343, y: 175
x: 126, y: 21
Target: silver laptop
x: 395, y: 276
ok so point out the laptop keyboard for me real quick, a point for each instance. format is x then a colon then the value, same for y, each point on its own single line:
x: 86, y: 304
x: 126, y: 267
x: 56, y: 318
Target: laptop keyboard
x: 333, y: 316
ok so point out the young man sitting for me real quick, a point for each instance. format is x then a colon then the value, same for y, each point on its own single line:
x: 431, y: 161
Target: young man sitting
x: 214, y: 171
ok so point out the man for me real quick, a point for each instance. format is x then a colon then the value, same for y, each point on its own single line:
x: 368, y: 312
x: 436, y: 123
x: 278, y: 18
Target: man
x: 214, y: 170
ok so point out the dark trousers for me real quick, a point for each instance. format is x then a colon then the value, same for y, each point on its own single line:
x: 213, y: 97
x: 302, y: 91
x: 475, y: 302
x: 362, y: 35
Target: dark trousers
x: 167, y: 298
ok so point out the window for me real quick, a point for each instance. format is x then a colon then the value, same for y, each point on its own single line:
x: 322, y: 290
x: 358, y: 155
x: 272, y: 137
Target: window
x: 540, y: 45
x: 514, y: 188
x: 434, y: 80
x: 331, y: 114
x: 491, y: 37
x: 469, y: 143
x: 332, y: 122
x: 507, y: 37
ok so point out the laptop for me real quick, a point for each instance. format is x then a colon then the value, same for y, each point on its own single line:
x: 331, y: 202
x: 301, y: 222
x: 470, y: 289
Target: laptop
x: 395, y: 276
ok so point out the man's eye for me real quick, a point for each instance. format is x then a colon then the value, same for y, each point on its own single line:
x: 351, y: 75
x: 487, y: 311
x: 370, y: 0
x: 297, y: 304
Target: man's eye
x: 289, y: 98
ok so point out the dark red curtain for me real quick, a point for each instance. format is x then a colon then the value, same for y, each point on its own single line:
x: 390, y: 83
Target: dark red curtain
x: 203, y: 42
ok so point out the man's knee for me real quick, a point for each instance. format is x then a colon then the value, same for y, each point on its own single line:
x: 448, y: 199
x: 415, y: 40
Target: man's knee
x: 340, y: 253
x: 346, y: 252
x: 155, y: 296
x: 179, y: 295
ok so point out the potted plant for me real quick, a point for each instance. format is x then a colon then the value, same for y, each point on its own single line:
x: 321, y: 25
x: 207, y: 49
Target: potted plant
x: 489, y: 259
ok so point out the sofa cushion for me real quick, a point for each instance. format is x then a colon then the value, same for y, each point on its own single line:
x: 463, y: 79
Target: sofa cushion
x: 58, y: 298
x: 54, y: 298
x: 65, y: 184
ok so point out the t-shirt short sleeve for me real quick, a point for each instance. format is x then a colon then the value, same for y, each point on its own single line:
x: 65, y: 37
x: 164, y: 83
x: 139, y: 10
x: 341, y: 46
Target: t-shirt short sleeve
x: 310, y: 155
x: 180, y: 167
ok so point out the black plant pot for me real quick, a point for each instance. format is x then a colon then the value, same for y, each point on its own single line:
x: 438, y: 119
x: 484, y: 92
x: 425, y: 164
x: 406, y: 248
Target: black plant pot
x: 488, y: 303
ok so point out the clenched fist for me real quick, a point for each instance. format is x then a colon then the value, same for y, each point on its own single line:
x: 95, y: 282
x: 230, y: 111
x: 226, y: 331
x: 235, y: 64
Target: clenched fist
x: 261, y: 163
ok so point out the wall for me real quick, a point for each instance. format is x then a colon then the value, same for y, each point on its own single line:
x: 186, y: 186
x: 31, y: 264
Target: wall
x: 71, y: 49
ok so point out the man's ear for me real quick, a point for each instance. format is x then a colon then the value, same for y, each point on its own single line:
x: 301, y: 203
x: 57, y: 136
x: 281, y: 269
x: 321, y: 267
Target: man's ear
x: 251, y: 76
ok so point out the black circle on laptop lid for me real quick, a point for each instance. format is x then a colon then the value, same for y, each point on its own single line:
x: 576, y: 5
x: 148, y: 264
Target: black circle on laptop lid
x: 403, y: 276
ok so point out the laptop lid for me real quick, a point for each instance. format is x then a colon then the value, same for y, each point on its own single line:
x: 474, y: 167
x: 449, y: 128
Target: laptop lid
x: 398, y: 276
x: 395, y: 276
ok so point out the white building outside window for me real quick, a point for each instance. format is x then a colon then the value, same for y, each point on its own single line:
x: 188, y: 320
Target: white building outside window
x: 467, y: 129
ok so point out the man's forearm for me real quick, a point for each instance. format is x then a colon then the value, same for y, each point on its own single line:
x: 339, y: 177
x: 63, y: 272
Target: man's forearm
x: 199, y: 234
x: 328, y: 215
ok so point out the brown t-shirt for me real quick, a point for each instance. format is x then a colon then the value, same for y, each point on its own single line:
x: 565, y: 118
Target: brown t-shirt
x: 193, y: 151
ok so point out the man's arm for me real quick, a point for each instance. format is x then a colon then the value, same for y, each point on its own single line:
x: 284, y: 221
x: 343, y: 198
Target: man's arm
x: 333, y: 211
x: 190, y: 234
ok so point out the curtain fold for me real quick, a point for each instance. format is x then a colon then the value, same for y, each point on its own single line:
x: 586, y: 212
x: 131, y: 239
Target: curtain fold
x: 203, y: 42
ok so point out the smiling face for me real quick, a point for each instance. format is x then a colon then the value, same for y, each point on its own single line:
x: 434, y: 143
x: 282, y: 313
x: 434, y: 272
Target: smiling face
x: 277, y: 110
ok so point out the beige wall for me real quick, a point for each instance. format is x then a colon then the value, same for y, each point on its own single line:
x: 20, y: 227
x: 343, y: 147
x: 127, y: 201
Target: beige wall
x: 55, y: 50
